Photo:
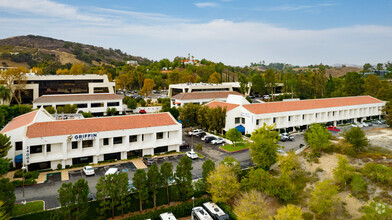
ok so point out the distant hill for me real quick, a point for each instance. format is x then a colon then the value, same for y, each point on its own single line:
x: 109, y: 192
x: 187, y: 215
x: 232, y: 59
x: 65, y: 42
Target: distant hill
x: 335, y: 71
x: 30, y: 50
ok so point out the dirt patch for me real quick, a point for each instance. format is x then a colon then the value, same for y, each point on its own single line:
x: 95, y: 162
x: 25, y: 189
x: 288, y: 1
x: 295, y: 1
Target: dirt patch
x: 7, y: 62
x: 353, y: 204
x: 380, y: 137
x: 327, y: 163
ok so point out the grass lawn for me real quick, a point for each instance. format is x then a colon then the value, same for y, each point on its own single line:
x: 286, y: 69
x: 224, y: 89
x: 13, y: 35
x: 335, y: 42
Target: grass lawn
x: 200, y: 156
x: 30, y: 207
x: 231, y: 148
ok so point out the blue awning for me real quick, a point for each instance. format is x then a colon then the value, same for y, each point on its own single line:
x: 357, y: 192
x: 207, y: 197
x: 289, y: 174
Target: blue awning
x: 19, y: 158
x: 240, y: 128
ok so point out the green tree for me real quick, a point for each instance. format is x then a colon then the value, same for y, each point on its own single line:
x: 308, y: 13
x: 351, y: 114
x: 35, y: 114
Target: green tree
x: 154, y: 181
x: 208, y: 166
x: 143, y: 103
x: 378, y: 173
x: 258, y: 84
x: 50, y: 109
x: 214, y: 78
x: 233, y: 135
x: 5, y: 94
x: 5, y: 145
x: 167, y: 175
x: 380, y: 66
x: 288, y: 163
x: 140, y: 183
x: 251, y: 205
x: 223, y: 184
x: 80, y: 193
x: 317, y: 137
x: 188, y: 114
x: 243, y: 83
x: 371, y: 85
x: 324, y: 198
x: 183, y: 177
x: 3, y: 214
x: 357, y: 138
x: 230, y: 161
x: 7, y: 194
x: 111, y: 111
x: 353, y: 84
x: 258, y: 179
x: 67, y: 199
x: 367, y: 67
x: 148, y: 86
x: 122, y: 182
x: 202, y: 117
x: 289, y: 212
x: 87, y: 114
x: 264, y: 146
x: 132, y: 104
x: 387, y: 110
x: 270, y: 81
x: 343, y: 172
x: 4, y: 166
x: 199, y: 147
x: 358, y: 184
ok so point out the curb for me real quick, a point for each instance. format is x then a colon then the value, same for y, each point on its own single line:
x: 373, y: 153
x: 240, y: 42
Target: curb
x: 230, y: 152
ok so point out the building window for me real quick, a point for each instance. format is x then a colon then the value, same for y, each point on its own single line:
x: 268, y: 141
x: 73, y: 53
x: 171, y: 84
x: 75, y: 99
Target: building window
x: 257, y: 121
x: 87, y: 143
x: 113, y: 103
x: 82, y: 105
x: 168, y: 134
x: 333, y: 113
x: 243, y: 120
x: 74, y: 145
x: 19, y: 145
x: 289, y: 118
x: 303, y: 117
x: 96, y: 105
x: 316, y: 115
x: 117, y: 140
x: 36, y: 149
x: 48, y: 147
x: 133, y: 138
x: 142, y: 137
x: 160, y: 135
x: 274, y: 120
x: 237, y: 120
x: 106, y: 141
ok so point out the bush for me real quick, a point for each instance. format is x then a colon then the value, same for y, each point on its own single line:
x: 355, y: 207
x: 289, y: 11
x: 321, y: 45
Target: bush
x: 378, y: 173
x: 17, y: 183
x: 358, y: 185
x: 226, y: 208
x: 307, y: 216
x: 30, y: 182
x: 248, y: 135
x: 59, y: 166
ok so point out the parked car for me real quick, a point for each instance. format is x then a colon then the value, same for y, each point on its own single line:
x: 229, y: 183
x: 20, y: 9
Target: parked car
x: 148, y: 161
x: 90, y: 196
x: 88, y: 170
x: 286, y: 137
x: 191, y: 154
x: 218, y: 141
x: 201, y: 134
x: 113, y: 170
x: 364, y: 124
x: 266, y: 97
x: 204, y: 137
x: 209, y: 139
x: 354, y: 125
x: 184, y: 145
x: 333, y: 128
x: 283, y: 138
x: 195, y: 132
x: 377, y: 122
x: 142, y: 111
x: 130, y: 186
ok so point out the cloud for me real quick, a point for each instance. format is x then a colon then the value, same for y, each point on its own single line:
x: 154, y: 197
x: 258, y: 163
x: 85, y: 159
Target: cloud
x: 300, y: 7
x: 206, y: 4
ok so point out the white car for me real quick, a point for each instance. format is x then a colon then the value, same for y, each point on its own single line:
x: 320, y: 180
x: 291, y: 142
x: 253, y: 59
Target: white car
x: 88, y: 170
x: 364, y: 124
x: 354, y: 125
x: 112, y: 171
x: 218, y: 141
x: 191, y: 154
x: 195, y: 132
x: 281, y: 152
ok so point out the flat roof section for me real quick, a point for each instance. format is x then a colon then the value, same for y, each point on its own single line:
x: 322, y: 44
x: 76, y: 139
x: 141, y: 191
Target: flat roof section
x: 204, y: 95
x: 273, y: 107
x: 89, y: 125
x: 76, y: 98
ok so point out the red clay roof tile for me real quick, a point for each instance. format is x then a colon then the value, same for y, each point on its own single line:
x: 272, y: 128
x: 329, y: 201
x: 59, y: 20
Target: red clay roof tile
x: 20, y: 121
x: 229, y: 106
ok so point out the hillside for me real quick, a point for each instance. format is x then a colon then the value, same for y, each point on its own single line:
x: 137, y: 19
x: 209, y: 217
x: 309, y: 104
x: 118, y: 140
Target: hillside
x: 31, y: 50
x: 335, y: 71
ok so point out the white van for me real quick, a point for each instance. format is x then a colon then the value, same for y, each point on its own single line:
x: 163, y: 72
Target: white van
x: 167, y: 216
x: 113, y: 170
x: 215, y: 211
x: 198, y: 213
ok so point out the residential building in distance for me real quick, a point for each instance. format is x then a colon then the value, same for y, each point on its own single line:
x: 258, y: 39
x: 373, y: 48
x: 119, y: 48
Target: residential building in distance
x: 41, y: 142
x: 95, y: 103
x: 39, y: 85
x: 201, y: 98
x: 297, y: 114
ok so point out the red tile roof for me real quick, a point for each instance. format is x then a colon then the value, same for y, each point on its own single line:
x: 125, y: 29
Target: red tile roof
x: 88, y: 125
x: 229, y: 106
x: 204, y: 95
x: 76, y: 98
x: 20, y: 121
x: 273, y: 107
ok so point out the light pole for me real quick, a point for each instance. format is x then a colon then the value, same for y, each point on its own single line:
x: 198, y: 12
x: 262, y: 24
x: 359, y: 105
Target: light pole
x: 23, y: 170
x: 193, y: 201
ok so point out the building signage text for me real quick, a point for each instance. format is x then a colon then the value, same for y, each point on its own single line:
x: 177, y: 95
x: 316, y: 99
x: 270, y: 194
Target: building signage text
x: 80, y: 137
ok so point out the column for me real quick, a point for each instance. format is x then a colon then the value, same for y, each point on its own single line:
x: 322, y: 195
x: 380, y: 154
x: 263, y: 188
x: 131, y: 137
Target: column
x: 95, y: 159
x: 334, y: 123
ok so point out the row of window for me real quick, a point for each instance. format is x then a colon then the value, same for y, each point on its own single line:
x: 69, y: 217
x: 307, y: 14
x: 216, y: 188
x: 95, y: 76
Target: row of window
x: 239, y: 120
x: 93, y: 105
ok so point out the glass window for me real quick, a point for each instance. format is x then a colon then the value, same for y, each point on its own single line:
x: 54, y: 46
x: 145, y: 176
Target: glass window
x: 96, y: 105
x: 237, y: 120
x: 36, y: 149
x: 19, y: 145
x: 257, y: 122
x: 142, y: 137
x: 82, y: 105
x: 106, y: 141
x: 133, y: 138
x: 48, y: 147
x: 274, y: 120
x: 303, y: 117
x: 289, y: 118
x: 113, y: 103
x: 243, y: 120
x: 74, y: 145
x: 117, y: 140
x: 87, y: 143
x: 160, y: 135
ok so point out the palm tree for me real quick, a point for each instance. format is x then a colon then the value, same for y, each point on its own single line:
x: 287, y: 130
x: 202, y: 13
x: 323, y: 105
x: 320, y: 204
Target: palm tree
x: 5, y: 94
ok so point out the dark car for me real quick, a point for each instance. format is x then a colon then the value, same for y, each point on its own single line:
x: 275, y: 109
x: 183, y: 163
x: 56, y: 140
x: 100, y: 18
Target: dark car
x: 142, y: 111
x: 90, y: 196
x: 148, y: 161
x: 209, y: 139
x: 201, y: 134
x: 184, y: 145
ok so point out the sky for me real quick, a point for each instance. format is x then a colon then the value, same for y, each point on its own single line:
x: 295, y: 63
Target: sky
x: 235, y: 32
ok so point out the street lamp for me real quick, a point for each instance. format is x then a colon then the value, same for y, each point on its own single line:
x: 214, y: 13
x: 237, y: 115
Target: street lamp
x: 193, y: 201
x: 23, y: 170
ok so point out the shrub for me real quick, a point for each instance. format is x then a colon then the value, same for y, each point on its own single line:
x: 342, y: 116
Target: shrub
x: 307, y: 216
x: 59, y: 166
x: 17, y: 183
x: 358, y: 184
x: 30, y: 182
x: 378, y: 173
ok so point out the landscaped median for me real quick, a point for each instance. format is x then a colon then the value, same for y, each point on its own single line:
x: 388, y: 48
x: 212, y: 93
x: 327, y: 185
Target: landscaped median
x: 230, y: 148
x: 28, y: 208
